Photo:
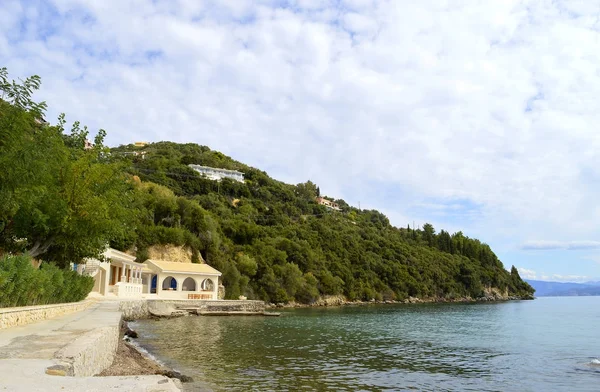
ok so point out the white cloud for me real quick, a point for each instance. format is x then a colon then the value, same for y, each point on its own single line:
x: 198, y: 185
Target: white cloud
x: 570, y: 278
x: 532, y: 275
x: 385, y: 102
x: 527, y: 273
x: 560, y: 245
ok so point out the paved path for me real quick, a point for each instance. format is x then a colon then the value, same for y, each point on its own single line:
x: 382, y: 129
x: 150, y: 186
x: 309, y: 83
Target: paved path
x: 43, y: 339
x: 26, y: 351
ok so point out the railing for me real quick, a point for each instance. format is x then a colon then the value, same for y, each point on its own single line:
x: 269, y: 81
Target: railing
x: 125, y: 289
x: 200, y: 296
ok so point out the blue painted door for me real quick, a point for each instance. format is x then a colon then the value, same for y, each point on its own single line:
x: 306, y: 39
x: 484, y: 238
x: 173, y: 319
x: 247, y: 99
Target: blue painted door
x: 153, y: 284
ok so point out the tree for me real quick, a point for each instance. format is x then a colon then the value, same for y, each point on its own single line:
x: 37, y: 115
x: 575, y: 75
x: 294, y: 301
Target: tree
x: 61, y: 202
x: 429, y: 234
x: 307, y: 191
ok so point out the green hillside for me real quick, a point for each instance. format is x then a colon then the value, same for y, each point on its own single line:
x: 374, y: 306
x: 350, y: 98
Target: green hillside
x: 273, y: 241
x: 64, y: 198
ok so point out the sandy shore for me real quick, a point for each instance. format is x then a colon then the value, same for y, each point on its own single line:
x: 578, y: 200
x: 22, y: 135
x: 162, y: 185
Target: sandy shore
x: 131, y: 362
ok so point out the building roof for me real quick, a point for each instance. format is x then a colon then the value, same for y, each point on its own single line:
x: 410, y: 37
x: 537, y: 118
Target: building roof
x: 182, y: 268
x: 118, y: 255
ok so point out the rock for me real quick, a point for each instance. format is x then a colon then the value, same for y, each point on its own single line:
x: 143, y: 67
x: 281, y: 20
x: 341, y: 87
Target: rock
x: 130, y: 333
x: 57, y: 370
x: 177, y: 375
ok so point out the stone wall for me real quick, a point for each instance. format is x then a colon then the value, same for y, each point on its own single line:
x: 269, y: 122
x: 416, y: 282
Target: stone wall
x: 134, y: 309
x: 12, y: 317
x: 91, y: 353
x: 139, y: 309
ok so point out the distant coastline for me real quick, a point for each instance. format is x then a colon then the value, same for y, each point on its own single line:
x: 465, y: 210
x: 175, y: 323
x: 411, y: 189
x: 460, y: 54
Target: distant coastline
x: 564, y: 289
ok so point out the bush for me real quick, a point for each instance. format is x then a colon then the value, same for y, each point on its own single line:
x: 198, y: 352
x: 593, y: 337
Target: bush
x: 22, y: 285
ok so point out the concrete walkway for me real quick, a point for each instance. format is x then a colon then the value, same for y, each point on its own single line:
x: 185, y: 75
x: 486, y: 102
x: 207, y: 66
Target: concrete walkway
x: 27, y: 351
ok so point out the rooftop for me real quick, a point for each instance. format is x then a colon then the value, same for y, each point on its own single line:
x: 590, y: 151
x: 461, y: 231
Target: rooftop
x: 189, y: 268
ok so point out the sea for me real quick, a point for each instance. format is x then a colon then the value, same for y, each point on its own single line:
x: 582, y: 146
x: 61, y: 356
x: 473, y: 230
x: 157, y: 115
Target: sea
x: 548, y: 344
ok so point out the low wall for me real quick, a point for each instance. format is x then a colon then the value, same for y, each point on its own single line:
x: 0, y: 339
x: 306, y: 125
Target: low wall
x: 139, y: 309
x: 91, y: 353
x: 12, y: 317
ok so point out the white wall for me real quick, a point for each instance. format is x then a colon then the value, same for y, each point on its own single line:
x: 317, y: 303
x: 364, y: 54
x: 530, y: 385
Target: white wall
x: 179, y: 293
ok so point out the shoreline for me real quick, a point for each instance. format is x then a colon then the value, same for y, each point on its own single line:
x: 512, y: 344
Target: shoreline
x: 340, y: 301
x: 129, y: 360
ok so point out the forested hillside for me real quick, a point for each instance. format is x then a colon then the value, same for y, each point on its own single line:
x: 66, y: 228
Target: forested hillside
x: 274, y: 242
x: 63, y: 199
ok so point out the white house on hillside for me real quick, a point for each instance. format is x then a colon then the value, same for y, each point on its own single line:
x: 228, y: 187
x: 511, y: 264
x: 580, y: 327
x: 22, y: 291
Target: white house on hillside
x: 217, y: 174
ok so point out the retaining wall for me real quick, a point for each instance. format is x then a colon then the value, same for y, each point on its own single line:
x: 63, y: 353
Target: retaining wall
x: 139, y: 309
x: 12, y: 317
x: 94, y: 351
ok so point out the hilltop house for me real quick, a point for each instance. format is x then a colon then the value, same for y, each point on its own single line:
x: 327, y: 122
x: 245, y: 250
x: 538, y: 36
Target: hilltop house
x: 121, y: 276
x: 213, y: 173
x: 328, y: 203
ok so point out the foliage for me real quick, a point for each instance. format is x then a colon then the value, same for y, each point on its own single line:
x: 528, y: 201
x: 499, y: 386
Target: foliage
x: 22, y: 285
x: 272, y: 241
x: 61, y: 202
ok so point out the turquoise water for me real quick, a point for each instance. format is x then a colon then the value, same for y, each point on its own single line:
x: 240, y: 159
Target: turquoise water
x: 549, y: 344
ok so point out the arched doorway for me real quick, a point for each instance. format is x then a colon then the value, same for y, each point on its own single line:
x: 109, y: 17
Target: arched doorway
x: 169, y: 283
x: 207, y: 285
x: 188, y: 284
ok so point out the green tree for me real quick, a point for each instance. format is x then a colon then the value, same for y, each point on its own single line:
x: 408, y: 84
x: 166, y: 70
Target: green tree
x: 63, y: 203
x: 429, y: 234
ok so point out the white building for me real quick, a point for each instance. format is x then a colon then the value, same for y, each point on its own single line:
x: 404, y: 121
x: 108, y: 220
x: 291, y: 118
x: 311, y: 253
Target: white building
x: 217, y: 174
x: 121, y: 276
x: 328, y: 203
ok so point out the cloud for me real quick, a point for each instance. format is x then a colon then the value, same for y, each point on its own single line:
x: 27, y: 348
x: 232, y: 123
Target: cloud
x: 533, y: 275
x: 527, y: 273
x: 479, y: 116
x: 570, y: 278
x: 558, y: 245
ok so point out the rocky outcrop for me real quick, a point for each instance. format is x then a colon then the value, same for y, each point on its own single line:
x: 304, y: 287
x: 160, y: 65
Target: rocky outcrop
x: 331, y: 300
x: 490, y: 294
x: 178, y: 254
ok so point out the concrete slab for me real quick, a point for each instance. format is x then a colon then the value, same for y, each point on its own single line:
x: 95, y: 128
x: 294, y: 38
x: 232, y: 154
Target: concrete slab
x: 43, y: 339
x: 27, y: 351
x: 20, y: 375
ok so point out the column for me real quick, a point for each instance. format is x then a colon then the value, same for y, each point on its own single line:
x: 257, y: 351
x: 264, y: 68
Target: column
x: 216, y: 288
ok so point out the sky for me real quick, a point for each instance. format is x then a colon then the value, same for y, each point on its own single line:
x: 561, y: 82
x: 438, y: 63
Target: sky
x: 478, y: 116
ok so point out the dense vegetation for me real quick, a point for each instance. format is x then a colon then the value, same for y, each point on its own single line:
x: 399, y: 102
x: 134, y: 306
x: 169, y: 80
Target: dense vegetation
x: 62, y: 203
x: 59, y: 202
x: 21, y: 284
x: 274, y: 242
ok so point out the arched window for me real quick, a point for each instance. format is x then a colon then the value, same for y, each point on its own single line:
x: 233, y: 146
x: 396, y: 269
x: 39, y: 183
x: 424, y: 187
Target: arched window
x: 169, y: 283
x: 207, y: 285
x: 188, y: 284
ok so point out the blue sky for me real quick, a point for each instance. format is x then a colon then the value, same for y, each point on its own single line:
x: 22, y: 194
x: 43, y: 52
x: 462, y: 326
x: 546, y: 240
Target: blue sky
x: 479, y: 116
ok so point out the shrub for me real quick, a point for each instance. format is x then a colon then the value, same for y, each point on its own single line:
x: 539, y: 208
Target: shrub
x: 22, y: 285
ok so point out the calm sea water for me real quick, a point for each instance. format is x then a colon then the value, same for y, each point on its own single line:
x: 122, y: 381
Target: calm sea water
x: 550, y: 344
